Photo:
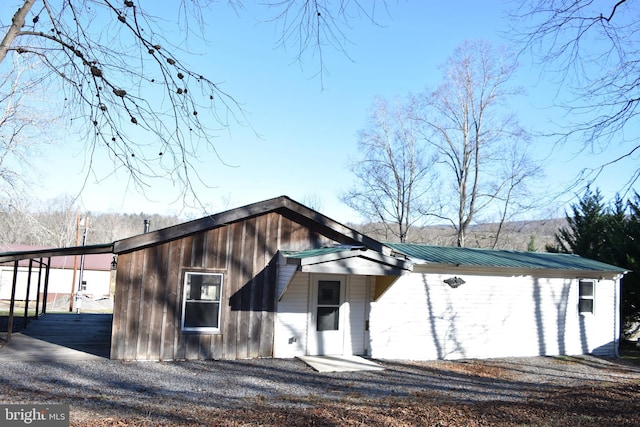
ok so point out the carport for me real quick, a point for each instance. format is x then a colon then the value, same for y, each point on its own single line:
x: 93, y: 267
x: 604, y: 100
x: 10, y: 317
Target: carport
x: 40, y: 259
x: 61, y: 337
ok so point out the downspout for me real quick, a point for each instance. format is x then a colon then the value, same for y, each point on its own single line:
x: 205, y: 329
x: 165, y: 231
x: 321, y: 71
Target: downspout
x: 616, y: 326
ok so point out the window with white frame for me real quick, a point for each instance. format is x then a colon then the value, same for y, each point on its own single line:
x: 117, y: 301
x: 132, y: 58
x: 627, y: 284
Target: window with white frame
x: 586, y: 294
x: 201, y: 302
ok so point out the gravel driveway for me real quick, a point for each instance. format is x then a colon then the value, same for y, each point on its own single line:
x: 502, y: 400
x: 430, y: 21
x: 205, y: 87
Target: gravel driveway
x: 159, y: 391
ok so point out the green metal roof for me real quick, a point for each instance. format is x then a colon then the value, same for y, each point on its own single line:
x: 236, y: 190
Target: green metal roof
x: 320, y: 251
x: 499, y: 258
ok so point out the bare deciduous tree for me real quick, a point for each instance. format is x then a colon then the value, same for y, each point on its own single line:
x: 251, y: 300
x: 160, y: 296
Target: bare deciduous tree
x: 56, y: 223
x: 480, y: 146
x: 594, y: 48
x: 391, y: 173
x: 22, y: 127
x: 123, y: 77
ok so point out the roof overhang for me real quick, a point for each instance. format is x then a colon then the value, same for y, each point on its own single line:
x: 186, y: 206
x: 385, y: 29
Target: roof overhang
x: 54, y: 252
x: 436, y: 268
x: 359, y: 261
x: 349, y: 260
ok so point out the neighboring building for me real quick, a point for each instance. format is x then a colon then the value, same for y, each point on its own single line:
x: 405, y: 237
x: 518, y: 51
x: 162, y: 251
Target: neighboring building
x: 64, y: 275
x: 277, y: 279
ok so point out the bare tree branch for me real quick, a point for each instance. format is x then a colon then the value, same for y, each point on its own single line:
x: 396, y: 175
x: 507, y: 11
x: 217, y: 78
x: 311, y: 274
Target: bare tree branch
x: 475, y: 139
x: 593, y: 46
x: 124, y: 80
x: 392, y: 174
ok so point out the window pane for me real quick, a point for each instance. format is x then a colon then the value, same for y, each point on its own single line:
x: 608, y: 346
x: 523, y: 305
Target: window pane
x: 585, y: 305
x: 204, y: 287
x: 328, y: 292
x: 328, y: 318
x: 586, y: 288
x: 201, y: 314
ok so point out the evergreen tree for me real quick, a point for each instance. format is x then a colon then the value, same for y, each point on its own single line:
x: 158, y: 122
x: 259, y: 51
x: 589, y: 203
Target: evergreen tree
x: 584, y: 236
x: 607, y: 234
x: 630, y: 299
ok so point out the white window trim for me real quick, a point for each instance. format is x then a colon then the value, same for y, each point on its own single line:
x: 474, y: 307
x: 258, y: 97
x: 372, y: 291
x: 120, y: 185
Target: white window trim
x: 587, y: 297
x: 184, y: 302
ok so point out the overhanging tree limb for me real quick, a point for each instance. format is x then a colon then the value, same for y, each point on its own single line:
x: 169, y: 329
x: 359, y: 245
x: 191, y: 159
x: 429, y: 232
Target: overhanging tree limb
x: 17, y: 22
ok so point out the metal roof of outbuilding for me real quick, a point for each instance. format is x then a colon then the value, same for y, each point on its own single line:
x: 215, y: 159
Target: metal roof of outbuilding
x: 475, y: 257
x: 309, y: 253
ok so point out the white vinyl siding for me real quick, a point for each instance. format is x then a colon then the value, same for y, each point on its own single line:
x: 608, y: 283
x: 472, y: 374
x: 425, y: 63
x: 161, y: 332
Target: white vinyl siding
x: 356, y: 301
x: 290, y: 333
x: 421, y: 317
x: 292, y: 317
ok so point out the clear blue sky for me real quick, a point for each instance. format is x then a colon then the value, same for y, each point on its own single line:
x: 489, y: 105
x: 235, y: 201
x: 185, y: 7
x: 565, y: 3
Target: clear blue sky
x: 308, y: 129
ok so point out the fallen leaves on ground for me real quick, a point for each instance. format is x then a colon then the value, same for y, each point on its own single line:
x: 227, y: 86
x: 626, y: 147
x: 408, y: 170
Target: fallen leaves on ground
x: 615, y: 404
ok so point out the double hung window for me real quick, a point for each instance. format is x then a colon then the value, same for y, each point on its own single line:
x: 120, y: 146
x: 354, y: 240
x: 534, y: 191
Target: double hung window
x: 201, y: 302
x: 586, y: 294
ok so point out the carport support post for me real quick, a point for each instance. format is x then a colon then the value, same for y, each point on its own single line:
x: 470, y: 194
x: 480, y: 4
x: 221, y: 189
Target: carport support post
x: 26, y: 300
x: 39, y: 285
x: 46, y: 286
x: 13, y: 300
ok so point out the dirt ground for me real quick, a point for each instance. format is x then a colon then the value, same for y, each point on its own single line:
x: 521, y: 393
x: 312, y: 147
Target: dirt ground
x: 615, y: 405
x: 562, y: 391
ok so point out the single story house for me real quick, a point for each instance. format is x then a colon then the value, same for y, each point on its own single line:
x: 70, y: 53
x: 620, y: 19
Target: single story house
x: 277, y: 279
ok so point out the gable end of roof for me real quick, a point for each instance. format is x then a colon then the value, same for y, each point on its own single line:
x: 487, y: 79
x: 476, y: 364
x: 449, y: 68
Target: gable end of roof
x: 283, y: 205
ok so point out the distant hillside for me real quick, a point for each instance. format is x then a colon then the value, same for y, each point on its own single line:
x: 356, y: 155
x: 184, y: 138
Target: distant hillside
x: 513, y: 236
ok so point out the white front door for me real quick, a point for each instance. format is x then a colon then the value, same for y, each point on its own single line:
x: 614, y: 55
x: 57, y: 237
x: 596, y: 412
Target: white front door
x: 327, y: 320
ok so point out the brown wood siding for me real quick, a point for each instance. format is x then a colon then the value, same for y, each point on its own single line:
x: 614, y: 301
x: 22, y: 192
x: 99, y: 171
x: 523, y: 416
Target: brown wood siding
x: 149, y: 291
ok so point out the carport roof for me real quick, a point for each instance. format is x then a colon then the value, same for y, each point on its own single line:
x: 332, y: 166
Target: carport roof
x: 475, y: 257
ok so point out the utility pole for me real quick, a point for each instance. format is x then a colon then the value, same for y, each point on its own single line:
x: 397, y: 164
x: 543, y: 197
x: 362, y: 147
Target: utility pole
x: 76, y: 291
x: 75, y: 265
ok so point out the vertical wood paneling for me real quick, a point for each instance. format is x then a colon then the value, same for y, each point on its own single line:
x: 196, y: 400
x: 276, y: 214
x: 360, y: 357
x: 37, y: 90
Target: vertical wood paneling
x: 149, y: 293
x: 299, y: 234
x: 285, y: 231
x: 231, y: 318
x: 187, y: 258
x: 197, y: 255
x: 216, y: 249
x: 245, y: 288
x: 158, y: 310
x: 133, y: 302
x: 216, y: 346
x: 171, y: 309
x: 269, y: 284
x: 120, y: 300
x: 204, y: 350
x: 257, y: 274
x: 147, y: 302
x: 186, y: 263
x: 192, y: 346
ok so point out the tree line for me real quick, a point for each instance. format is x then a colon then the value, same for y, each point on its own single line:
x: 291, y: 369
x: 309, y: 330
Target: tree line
x: 60, y: 223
